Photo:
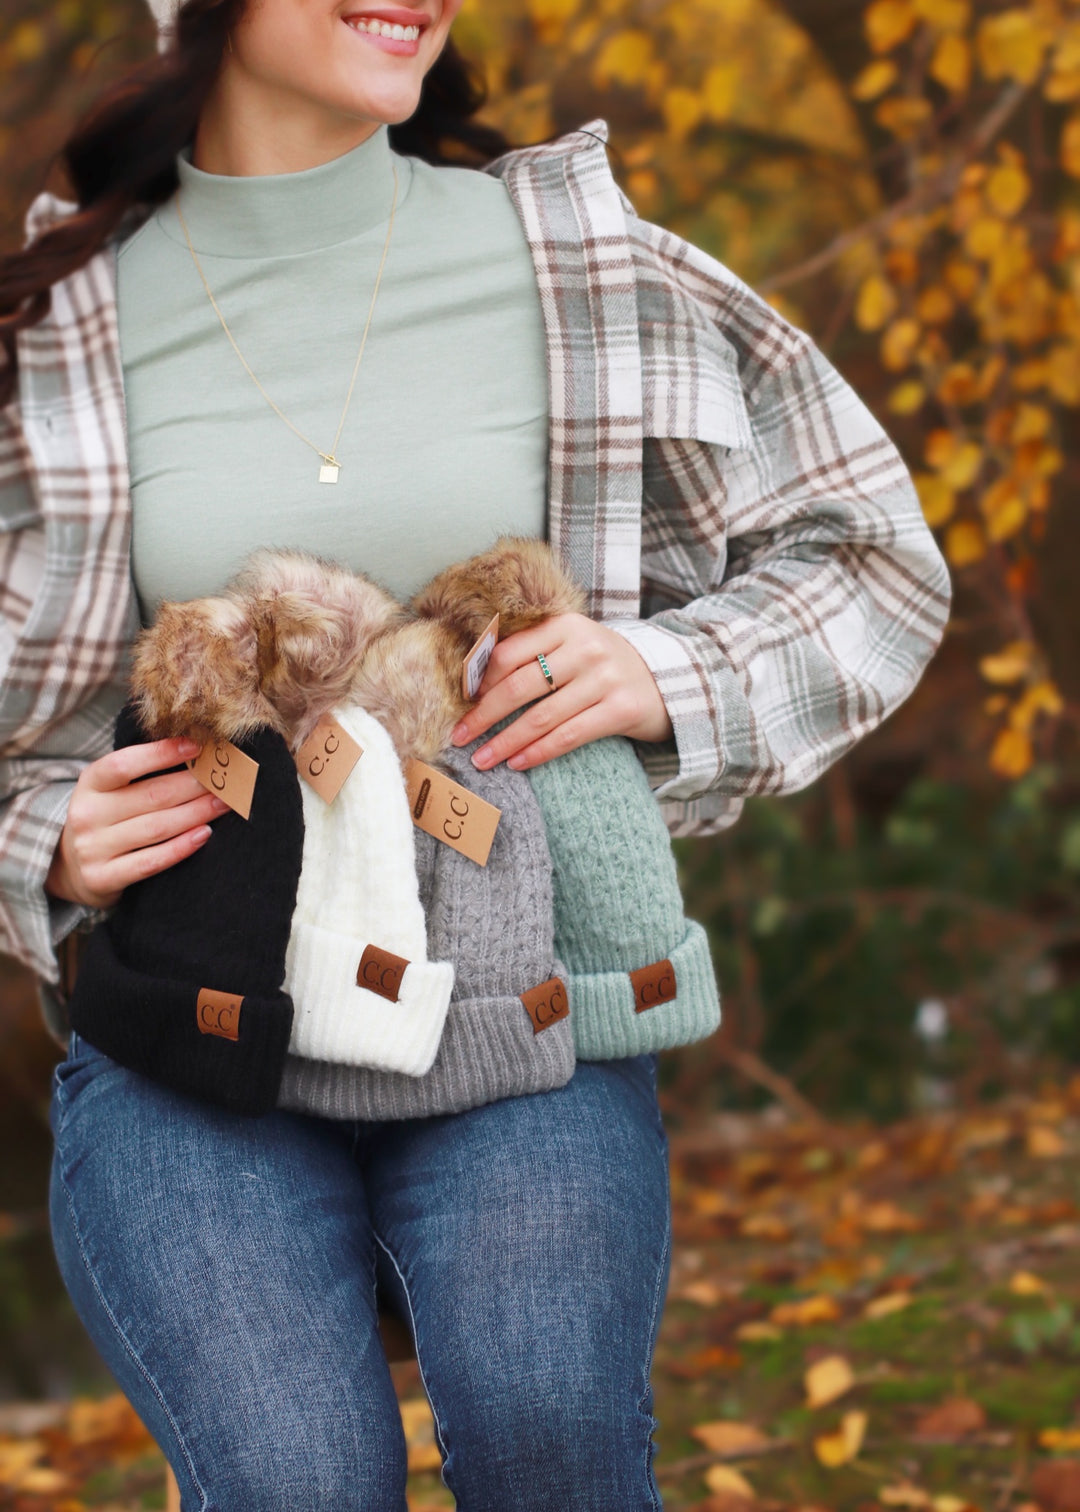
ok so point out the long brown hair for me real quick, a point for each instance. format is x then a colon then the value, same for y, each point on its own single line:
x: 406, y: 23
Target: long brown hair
x: 122, y: 156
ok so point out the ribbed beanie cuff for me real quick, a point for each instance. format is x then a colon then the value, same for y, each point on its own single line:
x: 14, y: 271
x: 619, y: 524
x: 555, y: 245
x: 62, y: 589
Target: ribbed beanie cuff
x: 338, y: 1020
x: 150, y: 1024
x: 607, y: 1025
x: 489, y: 1051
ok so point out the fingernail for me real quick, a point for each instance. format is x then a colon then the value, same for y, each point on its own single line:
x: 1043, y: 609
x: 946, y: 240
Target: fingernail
x: 218, y: 806
x: 189, y: 748
x: 201, y: 835
x: 517, y: 762
x: 483, y: 757
x: 461, y: 734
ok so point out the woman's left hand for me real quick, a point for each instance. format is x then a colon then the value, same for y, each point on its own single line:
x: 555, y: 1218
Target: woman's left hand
x: 602, y: 687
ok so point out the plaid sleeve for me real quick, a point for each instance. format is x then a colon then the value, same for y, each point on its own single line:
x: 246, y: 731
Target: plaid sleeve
x: 35, y: 790
x: 793, y: 590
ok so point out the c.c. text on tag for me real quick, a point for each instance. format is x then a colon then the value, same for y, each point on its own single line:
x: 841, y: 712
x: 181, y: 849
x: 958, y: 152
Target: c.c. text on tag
x: 450, y: 813
x: 546, y: 1004
x: 226, y: 772
x: 327, y: 757
x: 381, y: 971
x: 219, y: 1013
x: 475, y: 664
x: 653, y: 985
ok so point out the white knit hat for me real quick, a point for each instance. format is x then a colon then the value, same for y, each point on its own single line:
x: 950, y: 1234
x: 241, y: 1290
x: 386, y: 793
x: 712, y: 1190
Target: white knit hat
x: 358, y: 889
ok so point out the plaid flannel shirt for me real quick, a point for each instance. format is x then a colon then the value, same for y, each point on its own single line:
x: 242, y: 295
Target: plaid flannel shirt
x: 726, y: 501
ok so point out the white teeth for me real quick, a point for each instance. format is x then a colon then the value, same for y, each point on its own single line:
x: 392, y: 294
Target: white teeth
x: 385, y: 29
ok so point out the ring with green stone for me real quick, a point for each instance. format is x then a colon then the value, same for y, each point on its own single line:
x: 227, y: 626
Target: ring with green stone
x: 546, y: 670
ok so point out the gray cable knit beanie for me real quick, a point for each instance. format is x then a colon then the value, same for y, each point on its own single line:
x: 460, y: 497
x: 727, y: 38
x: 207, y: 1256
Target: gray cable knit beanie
x: 496, y: 924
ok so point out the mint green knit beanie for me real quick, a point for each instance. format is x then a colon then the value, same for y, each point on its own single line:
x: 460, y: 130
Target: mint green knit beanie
x: 618, y: 909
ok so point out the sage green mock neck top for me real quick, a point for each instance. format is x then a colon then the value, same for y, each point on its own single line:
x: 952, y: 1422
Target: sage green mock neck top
x: 445, y: 443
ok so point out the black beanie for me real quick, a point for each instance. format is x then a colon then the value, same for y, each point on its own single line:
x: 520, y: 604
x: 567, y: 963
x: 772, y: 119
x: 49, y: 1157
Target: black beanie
x: 158, y: 987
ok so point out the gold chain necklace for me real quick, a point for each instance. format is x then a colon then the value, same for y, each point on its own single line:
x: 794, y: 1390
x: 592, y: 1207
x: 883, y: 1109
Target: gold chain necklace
x: 331, y: 467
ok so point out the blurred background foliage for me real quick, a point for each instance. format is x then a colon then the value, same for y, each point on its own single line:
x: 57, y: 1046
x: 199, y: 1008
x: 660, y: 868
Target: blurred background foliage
x: 902, y: 177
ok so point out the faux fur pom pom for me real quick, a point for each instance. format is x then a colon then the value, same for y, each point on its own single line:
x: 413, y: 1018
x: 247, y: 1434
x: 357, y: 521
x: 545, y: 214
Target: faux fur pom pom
x: 519, y: 579
x: 195, y: 673
x: 314, y: 623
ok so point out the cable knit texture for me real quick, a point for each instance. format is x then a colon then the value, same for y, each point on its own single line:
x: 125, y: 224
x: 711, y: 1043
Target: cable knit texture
x: 358, y: 887
x: 496, y: 923
x: 617, y: 904
x: 218, y: 920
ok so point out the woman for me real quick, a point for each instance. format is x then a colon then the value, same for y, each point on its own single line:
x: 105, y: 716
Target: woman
x: 762, y: 589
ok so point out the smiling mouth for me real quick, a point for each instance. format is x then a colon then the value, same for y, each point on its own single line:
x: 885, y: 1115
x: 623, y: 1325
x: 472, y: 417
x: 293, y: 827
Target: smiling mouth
x: 390, y: 30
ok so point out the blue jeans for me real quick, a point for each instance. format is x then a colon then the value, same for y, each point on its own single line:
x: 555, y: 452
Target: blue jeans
x: 226, y: 1269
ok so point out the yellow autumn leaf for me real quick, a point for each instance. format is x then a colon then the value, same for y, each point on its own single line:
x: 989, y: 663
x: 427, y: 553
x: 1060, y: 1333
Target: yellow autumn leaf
x: 1063, y: 374
x: 1008, y: 665
x: 1011, y: 45
x: 1024, y: 1284
x: 1040, y: 698
x: 1012, y: 754
x: 984, y: 237
x: 1070, y: 146
x: 884, y: 1307
x: 1007, y: 189
x: 963, y: 278
x: 888, y: 23
x: 1062, y: 87
x: 758, y: 1332
x: 899, y: 344
x: 952, y: 63
x: 683, y: 110
x: 965, y: 543
x: 904, y: 115
x: 963, y: 467
x: 959, y: 384
x: 1065, y: 1439
x: 720, y: 90
x: 908, y: 398
x: 937, y: 499
x: 836, y: 1449
x: 805, y: 1312
x: 1032, y: 423
x: 722, y: 1479
x: 935, y: 305
x: 725, y: 1437
x: 624, y: 59
x: 947, y: 1503
x: 945, y: 15
x: 419, y: 1428
x: 876, y: 303
x: 904, y: 1494
x: 875, y: 79
x: 828, y: 1379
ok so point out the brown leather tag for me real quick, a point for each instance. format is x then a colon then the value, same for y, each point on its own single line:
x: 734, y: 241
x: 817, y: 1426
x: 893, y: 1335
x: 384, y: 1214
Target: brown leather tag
x: 327, y: 757
x: 381, y: 971
x: 226, y: 772
x: 546, y: 1004
x: 219, y: 1013
x: 653, y: 985
x: 475, y: 664
x: 450, y: 812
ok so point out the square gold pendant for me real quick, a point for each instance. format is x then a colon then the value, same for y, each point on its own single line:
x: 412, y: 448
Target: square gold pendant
x: 328, y: 472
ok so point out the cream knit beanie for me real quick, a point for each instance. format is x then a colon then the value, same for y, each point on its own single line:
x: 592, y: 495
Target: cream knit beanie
x: 357, y: 908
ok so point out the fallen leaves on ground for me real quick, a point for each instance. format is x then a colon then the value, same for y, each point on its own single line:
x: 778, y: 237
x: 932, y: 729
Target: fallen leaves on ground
x: 857, y: 1320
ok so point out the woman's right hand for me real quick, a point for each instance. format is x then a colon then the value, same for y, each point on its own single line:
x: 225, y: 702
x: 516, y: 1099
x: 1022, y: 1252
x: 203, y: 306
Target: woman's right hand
x: 120, y: 830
